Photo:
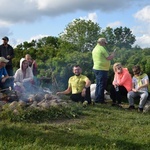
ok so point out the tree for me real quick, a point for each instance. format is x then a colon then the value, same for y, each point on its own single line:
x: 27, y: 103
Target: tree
x: 124, y: 37
x: 82, y: 33
x: 118, y: 38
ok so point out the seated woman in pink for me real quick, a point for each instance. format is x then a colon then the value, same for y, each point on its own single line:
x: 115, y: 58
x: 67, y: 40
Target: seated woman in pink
x: 122, y: 84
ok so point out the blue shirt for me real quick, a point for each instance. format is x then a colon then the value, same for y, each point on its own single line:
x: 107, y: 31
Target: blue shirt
x: 3, y: 72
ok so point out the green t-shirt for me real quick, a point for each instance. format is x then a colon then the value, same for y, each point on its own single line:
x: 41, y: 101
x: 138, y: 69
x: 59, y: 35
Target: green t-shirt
x: 99, y: 55
x: 77, y: 83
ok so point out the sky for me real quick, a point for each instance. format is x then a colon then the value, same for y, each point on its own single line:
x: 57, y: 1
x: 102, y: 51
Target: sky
x: 24, y: 20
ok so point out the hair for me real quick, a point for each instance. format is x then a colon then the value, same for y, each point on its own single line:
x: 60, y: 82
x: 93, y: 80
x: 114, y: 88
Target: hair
x: 27, y: 55
x: 116, y: 65
x: 137, y: 67
x: 76, y: 66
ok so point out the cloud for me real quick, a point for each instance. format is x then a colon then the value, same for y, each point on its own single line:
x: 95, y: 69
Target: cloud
x: 27, y: 12
x: 143, y: 41
x: 143, y: 15
x: 91, y: 16
x: 142, y: 29
x: 114, y: 24
x: 24, y: 11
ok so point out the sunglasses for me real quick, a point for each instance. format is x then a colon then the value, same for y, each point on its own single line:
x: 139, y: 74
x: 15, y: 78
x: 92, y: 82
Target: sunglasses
x: 119, y: 68
x: 136, y: 71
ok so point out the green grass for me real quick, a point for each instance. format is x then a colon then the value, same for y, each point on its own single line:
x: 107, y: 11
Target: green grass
x: 98, y: 127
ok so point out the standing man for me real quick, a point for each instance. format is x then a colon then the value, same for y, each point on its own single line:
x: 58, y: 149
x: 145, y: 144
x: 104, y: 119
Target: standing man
x: 79, y: 85
x: 101, y: 60
x: 7, y: 52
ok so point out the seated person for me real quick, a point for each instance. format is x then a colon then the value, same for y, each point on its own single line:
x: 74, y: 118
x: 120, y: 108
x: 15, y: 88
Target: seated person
x: 140, y: 82
x: 5, y: 80
x: 32, y: 64
x: 122, y: 84
x: 23, y: 78
x: 79, y: 85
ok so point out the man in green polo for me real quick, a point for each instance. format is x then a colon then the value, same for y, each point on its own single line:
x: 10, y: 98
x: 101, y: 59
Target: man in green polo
x: 101, y: 60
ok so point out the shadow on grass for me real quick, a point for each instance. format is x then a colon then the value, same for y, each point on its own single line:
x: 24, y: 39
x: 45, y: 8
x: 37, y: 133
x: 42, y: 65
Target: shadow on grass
x: 49, y: 136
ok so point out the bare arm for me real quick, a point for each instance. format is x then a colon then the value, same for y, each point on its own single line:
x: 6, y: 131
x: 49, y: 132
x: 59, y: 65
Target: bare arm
x: 67, y: 91
x: 4, y: 78
x: 144, y: 85
x: 87, y: 83
x: 111, y: 56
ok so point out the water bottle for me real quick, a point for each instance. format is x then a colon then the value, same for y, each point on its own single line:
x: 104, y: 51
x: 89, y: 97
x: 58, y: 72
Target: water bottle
x: 117, y: 88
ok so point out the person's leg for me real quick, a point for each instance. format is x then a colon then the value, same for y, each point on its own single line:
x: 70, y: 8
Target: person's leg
x: 143, y: 99
x: 77, y: 97
x: 88, y: 95
x: 131, y: 96
x: 8, y: 83
x: 101, y: 81
x: 122, y: 92
x: 113, y: 94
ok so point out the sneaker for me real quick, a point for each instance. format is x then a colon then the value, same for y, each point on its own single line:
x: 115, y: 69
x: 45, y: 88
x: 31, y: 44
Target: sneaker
x: 131, y: 107
x: 92, y: 102
x: 85, y: 103
x: 140, y: 109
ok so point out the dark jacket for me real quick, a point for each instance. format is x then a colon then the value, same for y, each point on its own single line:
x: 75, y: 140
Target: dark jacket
x: 5, y: 51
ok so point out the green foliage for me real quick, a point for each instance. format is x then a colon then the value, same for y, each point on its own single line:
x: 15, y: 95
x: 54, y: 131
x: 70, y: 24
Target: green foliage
x: 56, y: 56
x: 118, y: 38
x: 82, y: 33
x: 39, y: 115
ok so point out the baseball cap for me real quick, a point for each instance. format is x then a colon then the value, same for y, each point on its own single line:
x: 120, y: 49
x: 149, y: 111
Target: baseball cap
x: 5, y: 38
x: 2, y: 59
x: 101, y: 40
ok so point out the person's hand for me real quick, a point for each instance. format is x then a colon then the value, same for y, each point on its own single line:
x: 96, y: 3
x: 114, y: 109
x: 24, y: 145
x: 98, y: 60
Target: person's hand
x: 113, y: 54
x: 139, y: 88
x: 8, y: 57
x: 134, y: 90
x: 33, y: 62
x: 83, y: 92
x: 3, y: 80
x: 59, y: 93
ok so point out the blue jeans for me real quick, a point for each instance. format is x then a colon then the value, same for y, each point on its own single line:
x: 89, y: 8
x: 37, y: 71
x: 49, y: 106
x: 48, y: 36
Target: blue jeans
x: 101, y: 81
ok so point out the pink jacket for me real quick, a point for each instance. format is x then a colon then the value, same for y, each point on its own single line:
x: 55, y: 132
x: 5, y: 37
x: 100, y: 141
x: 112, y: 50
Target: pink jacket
x: 123, y: 79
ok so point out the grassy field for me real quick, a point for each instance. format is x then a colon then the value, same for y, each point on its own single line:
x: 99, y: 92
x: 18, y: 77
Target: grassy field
x: 98, y: 127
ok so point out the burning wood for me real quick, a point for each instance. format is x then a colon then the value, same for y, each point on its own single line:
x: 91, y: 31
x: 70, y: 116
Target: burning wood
x: 42, y: 99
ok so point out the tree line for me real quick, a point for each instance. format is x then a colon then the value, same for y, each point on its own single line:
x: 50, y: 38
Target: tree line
x: 55, y: 56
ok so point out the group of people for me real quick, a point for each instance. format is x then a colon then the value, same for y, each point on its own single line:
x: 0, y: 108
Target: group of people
x: 122, y: 85
x: 79, y: 85
x: 23, y: 78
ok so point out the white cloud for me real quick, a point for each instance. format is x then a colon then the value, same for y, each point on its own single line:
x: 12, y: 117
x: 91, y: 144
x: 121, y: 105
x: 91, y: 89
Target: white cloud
x: 114, y: 24
x: 37, y: 37
x: 14, y: 42
x: 91, y: 16
x: 142, y: 29
x: 143, y: 15
x: 29, y: 11
x: 24, y: 11
x: 143, y: 41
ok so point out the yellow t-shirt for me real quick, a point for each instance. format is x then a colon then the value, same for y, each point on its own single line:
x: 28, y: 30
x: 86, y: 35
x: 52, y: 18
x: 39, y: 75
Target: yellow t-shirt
x: 99, y: 55
x: 77, y: 83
